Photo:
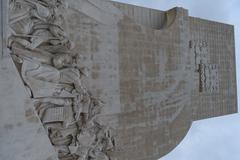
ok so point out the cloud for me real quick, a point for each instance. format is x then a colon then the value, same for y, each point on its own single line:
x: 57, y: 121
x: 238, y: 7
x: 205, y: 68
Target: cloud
x: 212, y: 139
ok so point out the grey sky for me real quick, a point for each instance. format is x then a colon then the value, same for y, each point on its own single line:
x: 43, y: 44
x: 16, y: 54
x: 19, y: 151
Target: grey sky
x: 217, y: 138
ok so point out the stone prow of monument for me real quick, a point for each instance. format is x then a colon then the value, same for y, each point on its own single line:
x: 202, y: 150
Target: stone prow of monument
x: 97, y: 79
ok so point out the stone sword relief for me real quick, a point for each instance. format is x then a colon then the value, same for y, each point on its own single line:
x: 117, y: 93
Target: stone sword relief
x: 52, y: 75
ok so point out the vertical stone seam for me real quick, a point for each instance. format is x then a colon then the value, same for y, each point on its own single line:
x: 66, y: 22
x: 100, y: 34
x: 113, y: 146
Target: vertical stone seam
x: 1, y: 27
x: 235, y: 69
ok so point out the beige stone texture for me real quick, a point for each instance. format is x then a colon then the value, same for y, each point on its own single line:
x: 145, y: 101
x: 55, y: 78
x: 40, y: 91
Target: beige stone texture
x: 155, y: 71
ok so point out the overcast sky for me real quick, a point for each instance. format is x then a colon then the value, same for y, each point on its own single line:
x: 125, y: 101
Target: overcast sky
x: 216, y: 138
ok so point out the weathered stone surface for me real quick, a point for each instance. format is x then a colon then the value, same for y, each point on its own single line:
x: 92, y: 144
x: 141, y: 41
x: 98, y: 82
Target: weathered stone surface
x: 22, y: 136
x: 21, y: 133
x: 150, y: 74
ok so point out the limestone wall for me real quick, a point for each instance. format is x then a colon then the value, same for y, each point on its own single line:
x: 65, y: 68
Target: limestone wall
x: 217, y: 43
x: 154, y: 72
x: 143, y: 16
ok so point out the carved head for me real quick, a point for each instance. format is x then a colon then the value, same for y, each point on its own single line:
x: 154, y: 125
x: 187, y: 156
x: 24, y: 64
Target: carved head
x: 69, y: 44
x: 62, y: 60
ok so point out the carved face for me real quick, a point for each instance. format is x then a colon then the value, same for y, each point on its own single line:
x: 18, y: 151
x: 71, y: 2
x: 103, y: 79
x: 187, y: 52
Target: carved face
x: 62, y: 60
x: 69, y: 44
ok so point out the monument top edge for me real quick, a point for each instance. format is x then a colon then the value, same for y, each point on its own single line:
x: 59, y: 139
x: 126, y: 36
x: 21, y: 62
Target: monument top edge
x: 176, y: 8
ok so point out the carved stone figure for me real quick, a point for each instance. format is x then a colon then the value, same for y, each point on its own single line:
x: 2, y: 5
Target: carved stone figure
x: 65, y: 106
x: 109, y: 81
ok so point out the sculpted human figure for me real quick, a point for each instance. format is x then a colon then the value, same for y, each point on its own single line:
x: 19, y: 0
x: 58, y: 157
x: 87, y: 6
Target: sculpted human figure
x: 33, y: 24
x: 52, y: 75
x: 48, y: 81
x: 43, y: 33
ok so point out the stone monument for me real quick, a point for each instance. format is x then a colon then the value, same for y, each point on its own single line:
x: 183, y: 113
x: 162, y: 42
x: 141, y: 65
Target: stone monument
x: 102, y: 80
